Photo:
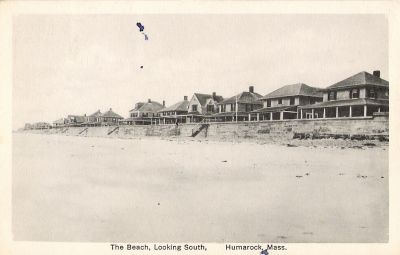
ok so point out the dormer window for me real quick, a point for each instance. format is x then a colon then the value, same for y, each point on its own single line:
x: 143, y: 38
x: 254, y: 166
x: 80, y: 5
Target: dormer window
x: 194, y: 108
x: 269, y: 103
x: 332, y: 95
x: 280, y: 101
x: 355, y: 93
x: 292, y: 101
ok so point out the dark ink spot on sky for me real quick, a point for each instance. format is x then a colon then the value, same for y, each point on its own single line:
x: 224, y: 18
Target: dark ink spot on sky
x: 141, y: 67
x: 140, y: 26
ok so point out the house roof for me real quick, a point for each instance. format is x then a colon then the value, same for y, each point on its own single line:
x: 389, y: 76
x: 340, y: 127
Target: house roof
x: 78, y: 118
x: 204, y: 97
x: 96, y: 114
x: 181, y: 106
x: 152, y: 106
x: 360, y: 79
x: 347, y: 102
x: 277, y: 108
x: 111, y: 114
x: 298, y: 89
x: 137, y: 106
x: 245, y: 97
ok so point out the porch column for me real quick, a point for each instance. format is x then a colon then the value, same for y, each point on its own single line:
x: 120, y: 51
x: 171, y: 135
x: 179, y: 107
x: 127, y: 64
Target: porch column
x: 350, y: 112
x: 324, y: 115
x: 249, y: 117
x: 281, y: 115
x: 258, y: 116
x: 164, y: 121
x: 312, y: 113
x: 337, y: 112
x: 270, y: 115
x: 379, y: 109
x: 233, y: 118
x: 365, y: 110
x: 301, y: 113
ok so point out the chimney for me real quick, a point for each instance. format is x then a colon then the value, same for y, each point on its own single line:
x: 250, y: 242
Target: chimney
x: 251, y: 89
x: 110, y: 109
x: 149, y: 100
x: 214, y: 94
x: 185, y: 98
x: 377, y: 73
x: 163, y: 103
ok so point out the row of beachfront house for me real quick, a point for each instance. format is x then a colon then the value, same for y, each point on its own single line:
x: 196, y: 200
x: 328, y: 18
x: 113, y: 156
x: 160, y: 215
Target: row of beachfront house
x: 361, y: 95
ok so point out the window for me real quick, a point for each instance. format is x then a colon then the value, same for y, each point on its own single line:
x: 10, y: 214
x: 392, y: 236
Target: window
x: 332, y: 95
x: 269, y: 103
x: 355, y: 93
x: 233, y: 107
x: 210, y: 108
x: 371, y: 93
x: 292, y: 101
x: 194, y: 108
x: 280, y: 101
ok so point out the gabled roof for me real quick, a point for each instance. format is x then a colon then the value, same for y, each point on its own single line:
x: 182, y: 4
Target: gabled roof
x: 245, y: 97
x: 96, y: 114
x: 204, y: 97
x: 152, y: 106
x: 111, y: 114
x: 360, y: 79
x: 298, y: 89
x: 181, y: 106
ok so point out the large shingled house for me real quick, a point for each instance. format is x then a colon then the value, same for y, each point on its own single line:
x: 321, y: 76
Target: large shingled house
x: 360, y: 95
x: 283, y: 103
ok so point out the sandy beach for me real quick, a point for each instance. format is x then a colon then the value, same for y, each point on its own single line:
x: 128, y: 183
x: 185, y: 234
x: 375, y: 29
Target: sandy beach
x: 68, y: 188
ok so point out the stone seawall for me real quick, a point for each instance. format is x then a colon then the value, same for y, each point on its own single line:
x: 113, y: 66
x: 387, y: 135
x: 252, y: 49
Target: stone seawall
x: 265, y: 130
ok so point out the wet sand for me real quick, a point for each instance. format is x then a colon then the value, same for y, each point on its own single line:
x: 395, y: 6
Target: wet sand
x: 68, y: 188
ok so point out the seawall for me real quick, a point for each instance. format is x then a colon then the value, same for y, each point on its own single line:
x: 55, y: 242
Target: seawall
x: 286, y: 130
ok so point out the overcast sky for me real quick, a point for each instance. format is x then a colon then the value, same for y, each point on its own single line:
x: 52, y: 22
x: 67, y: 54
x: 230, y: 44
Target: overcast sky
x: 77, y: 64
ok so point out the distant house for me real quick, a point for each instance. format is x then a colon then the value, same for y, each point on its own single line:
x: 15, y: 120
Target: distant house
x: 110, y: 118
x: 175, y: 113
x: 360, y: 95
x: 144, y: 113
x: 239, y: 107
x: 28, y: 126
x: 283, y: 103
x: 202, y: 106
x: 41, y: 125
x: 76, y: 120
x: 94, y: 119
x: 60, y: 122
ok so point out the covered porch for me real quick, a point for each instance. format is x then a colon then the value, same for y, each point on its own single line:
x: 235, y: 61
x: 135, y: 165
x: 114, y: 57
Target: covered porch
x: 276, y: 113
x: 343, y: 109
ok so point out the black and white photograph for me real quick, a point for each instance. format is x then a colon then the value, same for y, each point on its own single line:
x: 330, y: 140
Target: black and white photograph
x: 165, y: 132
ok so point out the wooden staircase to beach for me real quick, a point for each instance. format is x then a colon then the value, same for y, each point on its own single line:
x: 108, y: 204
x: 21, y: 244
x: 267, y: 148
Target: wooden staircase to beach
x: 112, y: 131
x: 83, y: 130
x: 196, y: 131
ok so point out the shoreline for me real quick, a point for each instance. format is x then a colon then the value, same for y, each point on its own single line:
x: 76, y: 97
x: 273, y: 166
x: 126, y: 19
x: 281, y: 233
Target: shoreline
x: 339, y: 143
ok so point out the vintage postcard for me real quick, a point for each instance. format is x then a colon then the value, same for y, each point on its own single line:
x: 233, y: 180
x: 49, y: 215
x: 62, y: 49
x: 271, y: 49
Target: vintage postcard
x: 200, y: 128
